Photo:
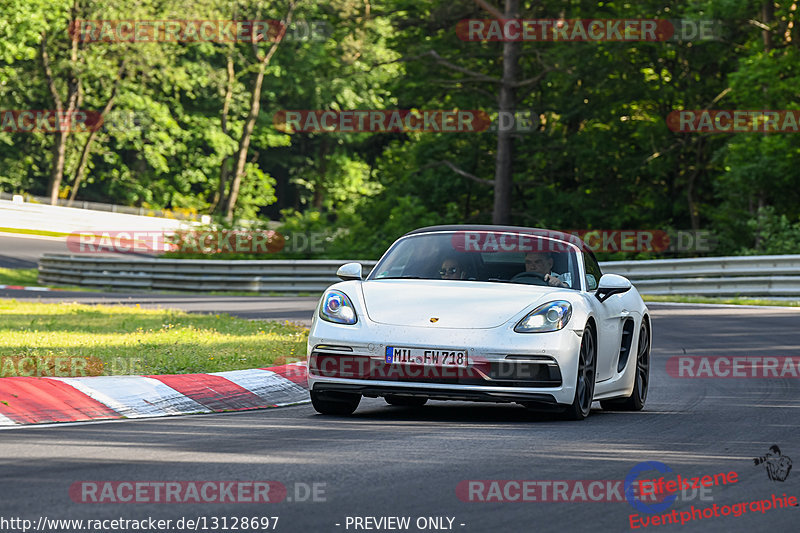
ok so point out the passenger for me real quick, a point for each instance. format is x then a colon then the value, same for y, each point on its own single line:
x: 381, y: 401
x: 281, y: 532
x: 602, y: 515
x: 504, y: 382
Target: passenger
x: 451, y: 269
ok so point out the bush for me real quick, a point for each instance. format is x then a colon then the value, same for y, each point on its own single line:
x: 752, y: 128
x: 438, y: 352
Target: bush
x: 775, y: 234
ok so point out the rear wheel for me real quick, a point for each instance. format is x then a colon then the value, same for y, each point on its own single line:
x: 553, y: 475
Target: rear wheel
x: 584, y: 384
x: 635, y: 402
x: 405, y: 401
x: 334, y: 403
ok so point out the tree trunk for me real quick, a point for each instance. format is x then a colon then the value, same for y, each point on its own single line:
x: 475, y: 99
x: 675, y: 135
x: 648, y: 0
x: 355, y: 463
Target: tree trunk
x: 694, y: 216
x: 87, y: 147
x: 57, y: 168
x: 255, y: 106
x: 767, y: 15
x: 319, y: 184
x: 73, y: 96
x: 219, y: 196
x: 503, y: 178
x: 244, y: 143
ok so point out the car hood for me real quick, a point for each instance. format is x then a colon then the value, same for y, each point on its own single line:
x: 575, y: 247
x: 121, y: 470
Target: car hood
x: 456, y: 304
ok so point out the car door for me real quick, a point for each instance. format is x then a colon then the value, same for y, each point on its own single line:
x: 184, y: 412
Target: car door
x: 610, y: 316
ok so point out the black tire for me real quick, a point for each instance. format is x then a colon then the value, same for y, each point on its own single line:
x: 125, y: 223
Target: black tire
x: 635, y: 402
x: 584, y: 384
x: 334, y: 403
x: 405, y: 401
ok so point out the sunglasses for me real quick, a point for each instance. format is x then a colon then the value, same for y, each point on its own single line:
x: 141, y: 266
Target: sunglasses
x: 451, y: 270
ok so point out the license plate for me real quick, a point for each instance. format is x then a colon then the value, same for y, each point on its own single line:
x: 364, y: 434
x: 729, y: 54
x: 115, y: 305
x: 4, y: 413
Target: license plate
x: 426, y: 357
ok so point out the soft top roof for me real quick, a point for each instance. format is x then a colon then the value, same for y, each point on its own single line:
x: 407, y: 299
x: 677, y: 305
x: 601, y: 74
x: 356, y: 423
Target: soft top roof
x: 566, y: 237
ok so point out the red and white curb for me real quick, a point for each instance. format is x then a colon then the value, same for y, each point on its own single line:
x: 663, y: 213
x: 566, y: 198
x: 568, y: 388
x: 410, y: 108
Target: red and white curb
x: 39, y: 400
x: 22, y: 288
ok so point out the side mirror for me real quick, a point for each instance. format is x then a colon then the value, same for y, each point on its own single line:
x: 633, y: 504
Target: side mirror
x: 611, y: 284
x: 351, y: 271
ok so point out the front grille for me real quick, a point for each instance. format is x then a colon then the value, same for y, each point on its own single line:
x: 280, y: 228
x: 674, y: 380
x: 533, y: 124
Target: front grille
x: 522, y: 374
x: 496, y: 374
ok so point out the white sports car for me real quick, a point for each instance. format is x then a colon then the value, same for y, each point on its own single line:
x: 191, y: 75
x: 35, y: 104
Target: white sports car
x: 481, y: 313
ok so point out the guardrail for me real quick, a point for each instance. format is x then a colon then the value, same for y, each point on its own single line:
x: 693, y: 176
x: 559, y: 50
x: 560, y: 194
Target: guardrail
x: 758, y: 275
x: 776, y: 275
x: 284, y: 276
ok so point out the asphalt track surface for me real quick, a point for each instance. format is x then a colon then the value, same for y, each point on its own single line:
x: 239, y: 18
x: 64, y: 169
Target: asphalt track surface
x: 390, y: 461
x: 291, y: 308
x: 19, y: 250
x: 24, y: 251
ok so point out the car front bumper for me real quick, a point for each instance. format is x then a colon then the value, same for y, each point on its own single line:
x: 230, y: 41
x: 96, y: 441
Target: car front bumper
x: 504, y: 366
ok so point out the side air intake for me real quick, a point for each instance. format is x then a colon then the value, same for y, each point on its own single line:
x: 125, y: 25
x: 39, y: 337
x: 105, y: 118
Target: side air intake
x: 625, y: 347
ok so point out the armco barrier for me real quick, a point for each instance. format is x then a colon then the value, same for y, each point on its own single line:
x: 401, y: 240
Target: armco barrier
x: 758, y: 275
x: 776, y: 275
x: 284, y: 276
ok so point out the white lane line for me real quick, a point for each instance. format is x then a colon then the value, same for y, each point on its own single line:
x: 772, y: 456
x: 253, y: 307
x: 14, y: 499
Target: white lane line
x: 733, y: 306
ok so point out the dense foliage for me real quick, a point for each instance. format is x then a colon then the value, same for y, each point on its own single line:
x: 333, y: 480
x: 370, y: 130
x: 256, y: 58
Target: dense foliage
x: 599, y: 154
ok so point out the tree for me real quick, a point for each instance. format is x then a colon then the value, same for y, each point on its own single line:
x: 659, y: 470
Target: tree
x: 255, y: 105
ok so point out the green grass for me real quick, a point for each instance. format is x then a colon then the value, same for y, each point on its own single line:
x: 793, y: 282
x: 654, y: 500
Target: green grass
x: 18, y: 276
x: 130, y: 340
x: 711, y: 300
x: 29, y: 277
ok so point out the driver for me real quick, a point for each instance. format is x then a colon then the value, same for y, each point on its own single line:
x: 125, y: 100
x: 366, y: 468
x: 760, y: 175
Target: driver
x: 541, y: 263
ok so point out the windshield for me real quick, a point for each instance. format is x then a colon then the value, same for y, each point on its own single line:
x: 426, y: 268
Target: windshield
x: 463, y: 256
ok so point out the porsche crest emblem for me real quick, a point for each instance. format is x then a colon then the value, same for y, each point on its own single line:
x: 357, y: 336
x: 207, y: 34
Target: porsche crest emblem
x: 434, y: 319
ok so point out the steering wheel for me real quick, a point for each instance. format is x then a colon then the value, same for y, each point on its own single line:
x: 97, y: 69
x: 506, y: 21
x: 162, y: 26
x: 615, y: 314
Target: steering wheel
x: 530, y: 278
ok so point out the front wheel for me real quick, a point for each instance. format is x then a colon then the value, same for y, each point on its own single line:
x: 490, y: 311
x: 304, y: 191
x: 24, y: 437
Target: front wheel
x: 334, y: 403
x: 584, y: 384
x: 635, y: 402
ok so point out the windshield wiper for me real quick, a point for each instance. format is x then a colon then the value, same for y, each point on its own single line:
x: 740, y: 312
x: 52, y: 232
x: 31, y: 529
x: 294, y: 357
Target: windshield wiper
x: 400, y: 277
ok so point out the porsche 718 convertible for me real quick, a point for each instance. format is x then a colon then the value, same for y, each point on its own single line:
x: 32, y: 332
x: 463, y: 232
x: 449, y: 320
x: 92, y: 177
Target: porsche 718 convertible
x: 481, y: 313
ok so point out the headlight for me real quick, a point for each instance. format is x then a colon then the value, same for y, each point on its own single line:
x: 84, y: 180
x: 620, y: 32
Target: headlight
x: 551, y: 316
x: 337, y: 307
